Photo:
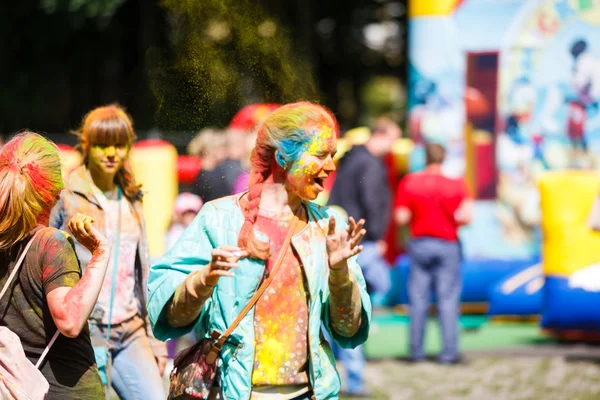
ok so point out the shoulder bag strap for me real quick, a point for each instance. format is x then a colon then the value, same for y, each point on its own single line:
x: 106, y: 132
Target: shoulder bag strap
x: 17, y: 265
x: 8, y: 282
x: 218, y: 345
x: 115, y: 264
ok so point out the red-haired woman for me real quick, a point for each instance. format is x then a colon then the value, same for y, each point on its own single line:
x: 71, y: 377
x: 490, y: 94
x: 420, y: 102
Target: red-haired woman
x: 105, y: 189
x: 215, y: 268
x: 48, y: 291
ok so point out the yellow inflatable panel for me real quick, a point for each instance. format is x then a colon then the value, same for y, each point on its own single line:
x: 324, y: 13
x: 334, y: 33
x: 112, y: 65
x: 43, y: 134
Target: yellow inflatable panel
x: 426, y: 8
x: 566, y: 200
x: 401, y: 149
x: 154, y: 164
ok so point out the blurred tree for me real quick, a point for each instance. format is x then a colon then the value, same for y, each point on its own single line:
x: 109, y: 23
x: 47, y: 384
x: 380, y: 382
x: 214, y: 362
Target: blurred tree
x: 185, y: 64
x: 224, y: 54
x: 61, y: 58
x: 80, y: 9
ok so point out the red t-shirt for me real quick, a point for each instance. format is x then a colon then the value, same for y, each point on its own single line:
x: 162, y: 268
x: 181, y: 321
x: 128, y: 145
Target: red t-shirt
x: 432, y: 199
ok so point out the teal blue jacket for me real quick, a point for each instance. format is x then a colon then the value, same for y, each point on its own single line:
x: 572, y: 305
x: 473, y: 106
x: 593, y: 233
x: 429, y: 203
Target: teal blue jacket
x: 217, y: 224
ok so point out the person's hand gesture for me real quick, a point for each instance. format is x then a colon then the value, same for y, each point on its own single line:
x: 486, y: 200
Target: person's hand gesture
x: 224, y: 258
x: 344, y: 244
x: 84, y: 232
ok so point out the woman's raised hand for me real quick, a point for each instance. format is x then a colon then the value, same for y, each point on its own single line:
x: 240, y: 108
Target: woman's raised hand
x: 84, y: 232
x: 344, y: 244
x: 224, y: 258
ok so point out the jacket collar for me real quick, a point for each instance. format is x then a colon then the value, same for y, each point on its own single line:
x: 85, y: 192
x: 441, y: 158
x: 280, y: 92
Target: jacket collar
x: 80, y: 182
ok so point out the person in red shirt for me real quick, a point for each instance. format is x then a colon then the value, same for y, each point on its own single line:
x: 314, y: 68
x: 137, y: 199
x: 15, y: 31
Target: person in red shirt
x: 434, y: 206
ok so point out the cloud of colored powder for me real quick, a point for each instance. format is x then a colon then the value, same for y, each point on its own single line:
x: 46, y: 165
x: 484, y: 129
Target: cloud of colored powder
x: 223, y: 54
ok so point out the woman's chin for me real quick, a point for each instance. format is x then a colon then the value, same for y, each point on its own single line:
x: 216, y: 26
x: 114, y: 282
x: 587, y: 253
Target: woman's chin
x: 309, y: 196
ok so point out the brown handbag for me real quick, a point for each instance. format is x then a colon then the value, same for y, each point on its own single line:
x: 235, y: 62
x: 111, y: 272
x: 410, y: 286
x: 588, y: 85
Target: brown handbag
x: 195, y: 368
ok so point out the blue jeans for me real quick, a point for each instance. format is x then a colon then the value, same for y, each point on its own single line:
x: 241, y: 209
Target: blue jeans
x: 353, y: 361
x: 134, y: 373
x: 375, y: 269
x: 434, y: 262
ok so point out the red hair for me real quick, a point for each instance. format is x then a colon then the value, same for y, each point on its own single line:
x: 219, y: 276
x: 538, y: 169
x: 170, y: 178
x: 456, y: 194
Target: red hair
x: 30, y: 183
x: 284, y: 130
x: 110, y: 125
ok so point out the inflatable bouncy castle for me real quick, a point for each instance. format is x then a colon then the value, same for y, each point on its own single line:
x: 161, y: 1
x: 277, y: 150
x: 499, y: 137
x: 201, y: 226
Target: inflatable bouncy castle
x: 154, y: 164
x: 571, y: 254
x: 510, y: 88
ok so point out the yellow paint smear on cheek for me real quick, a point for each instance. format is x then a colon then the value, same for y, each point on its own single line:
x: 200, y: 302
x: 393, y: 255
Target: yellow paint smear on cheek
x: 321, y: 136
x: 311, y: 169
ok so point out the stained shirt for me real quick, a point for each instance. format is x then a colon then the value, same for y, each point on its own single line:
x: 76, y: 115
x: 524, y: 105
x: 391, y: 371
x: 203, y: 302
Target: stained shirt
x: 281, y: 314
x: 125, y: 303
x: 51, y: 263
x: 218, y: 223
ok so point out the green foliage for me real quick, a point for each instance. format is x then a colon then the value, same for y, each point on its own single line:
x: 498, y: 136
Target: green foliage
x: 85, y: 8
x: 222, y: 55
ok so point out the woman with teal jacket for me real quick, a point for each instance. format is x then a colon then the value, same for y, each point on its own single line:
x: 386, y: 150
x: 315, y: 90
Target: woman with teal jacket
x: 203, y: 283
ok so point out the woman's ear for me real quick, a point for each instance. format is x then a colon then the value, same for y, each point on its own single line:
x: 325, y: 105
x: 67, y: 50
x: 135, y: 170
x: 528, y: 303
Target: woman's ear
x: 280, y: 160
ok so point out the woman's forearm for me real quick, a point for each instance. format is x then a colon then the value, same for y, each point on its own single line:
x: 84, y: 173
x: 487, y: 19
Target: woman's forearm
x: 188, y: 300
x: 345, y: 306
x: 71, y: 306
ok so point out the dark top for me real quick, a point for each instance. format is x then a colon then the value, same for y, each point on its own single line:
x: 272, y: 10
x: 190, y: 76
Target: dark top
x: 50, y: 263
x: 361, y: 189
x: 218, y: 182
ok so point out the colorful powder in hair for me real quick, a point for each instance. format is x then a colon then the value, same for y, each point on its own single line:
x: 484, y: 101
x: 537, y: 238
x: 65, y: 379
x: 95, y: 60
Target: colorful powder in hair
x: 30, y: 181
x: 23, y: 152
x: 222, y: 54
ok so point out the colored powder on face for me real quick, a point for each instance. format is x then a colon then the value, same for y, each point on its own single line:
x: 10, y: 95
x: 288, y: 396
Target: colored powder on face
x: 320, y: 140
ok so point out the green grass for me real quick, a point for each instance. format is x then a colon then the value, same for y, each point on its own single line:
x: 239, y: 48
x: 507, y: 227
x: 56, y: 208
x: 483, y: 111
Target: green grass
x: 390, y: 334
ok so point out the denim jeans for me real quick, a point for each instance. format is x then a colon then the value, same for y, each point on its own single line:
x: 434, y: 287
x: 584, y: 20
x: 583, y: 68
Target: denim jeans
x: 434, y: 262
x: 134, y: 373
x: 353, y: 361
x: 375, y: 269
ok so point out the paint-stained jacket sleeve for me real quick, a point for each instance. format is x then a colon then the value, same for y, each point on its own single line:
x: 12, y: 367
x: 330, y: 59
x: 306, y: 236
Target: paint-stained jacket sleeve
x: 191, y: 252
x: 363, y: 332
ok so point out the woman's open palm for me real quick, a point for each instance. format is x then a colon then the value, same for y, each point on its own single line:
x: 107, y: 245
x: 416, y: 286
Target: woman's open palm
x: 344, y: 244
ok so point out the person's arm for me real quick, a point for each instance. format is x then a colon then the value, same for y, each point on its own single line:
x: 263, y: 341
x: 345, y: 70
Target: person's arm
x: 192, y: 293
x: 464, y: 213
x: 345, y: 306
x: 191, y: 253
x: 402, y: 212
x: 403, y: 215
x: 70, y: 307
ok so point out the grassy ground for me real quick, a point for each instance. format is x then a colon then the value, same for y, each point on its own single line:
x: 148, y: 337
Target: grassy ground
x: 501, y: 377
x: 488, y: 376
x: 504, y: 362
